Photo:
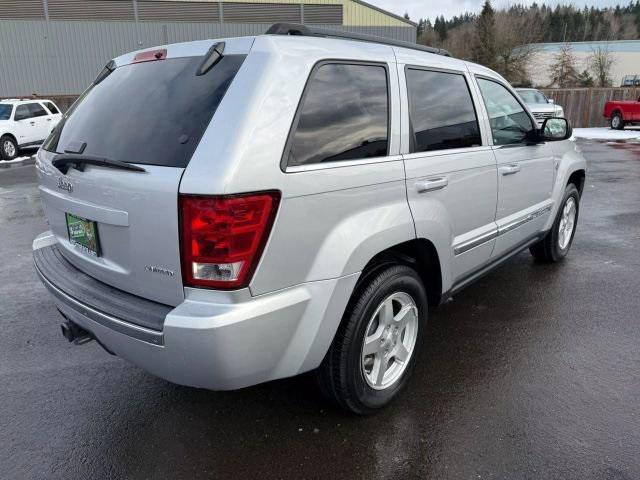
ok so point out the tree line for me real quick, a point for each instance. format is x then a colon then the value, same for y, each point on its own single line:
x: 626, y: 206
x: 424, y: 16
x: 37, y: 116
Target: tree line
x: 505, y: 39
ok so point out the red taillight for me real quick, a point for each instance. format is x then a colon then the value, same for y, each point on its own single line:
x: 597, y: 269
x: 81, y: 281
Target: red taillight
x: 223, y: 237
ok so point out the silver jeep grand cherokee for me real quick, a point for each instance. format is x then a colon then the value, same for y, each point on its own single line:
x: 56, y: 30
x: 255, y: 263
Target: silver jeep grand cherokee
x: 228, y: 212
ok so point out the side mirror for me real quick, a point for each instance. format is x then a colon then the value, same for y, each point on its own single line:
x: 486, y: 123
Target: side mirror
x: 555, y: 129
x: 550, y: 100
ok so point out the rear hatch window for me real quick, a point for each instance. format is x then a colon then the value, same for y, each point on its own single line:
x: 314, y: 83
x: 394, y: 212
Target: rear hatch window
x: 151, y: 113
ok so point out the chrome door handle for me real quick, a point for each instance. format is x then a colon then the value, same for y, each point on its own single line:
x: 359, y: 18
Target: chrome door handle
x: 32, y: 123
x: 431, y: 184
x: 49, y: 119
x: 509, y: 169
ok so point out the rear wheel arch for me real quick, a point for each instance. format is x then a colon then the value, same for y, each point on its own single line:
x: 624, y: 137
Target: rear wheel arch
x: 419, y: 254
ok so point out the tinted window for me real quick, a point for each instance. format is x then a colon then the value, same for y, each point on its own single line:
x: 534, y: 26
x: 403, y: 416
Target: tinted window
x: 22, y: 113
x: 37, y: 110
x: 532, y: 96
x: 152, y: 113
x: 344, y: 115
x: 509, y: 121
x: 442, y: 112
x: 52, y: 108
x: 5, y: 111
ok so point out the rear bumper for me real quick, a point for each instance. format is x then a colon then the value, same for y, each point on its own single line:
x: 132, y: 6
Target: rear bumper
x: 217, y: 340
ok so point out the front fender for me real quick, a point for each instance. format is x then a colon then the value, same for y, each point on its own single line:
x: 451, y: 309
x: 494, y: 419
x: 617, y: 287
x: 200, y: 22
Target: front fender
x: 569, y: 159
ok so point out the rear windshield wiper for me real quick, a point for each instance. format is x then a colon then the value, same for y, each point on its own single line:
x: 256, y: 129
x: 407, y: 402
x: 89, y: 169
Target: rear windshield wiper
x: 64, y: 161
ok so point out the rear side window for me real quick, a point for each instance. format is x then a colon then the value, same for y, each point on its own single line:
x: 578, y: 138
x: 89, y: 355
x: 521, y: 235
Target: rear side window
x: 441, y: 110
x: 37, y: 110
x: 151, y: 113
x: 510, y: 123
x: 22, y: 113
x: 344, y: 115
x: 52, y: 108
x: 5, y: 111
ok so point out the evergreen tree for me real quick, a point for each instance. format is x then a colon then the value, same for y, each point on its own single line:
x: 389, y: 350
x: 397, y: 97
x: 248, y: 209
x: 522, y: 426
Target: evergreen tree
x: 585, y: 79
x: 484, y: 52
x: 441, y: 28
x: 563, y: 70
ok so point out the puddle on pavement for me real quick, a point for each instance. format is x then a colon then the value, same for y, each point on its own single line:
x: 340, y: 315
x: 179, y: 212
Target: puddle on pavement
x: 631, y: 146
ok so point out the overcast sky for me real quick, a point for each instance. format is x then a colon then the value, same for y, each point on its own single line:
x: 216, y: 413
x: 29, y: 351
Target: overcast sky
x: 434, y: 8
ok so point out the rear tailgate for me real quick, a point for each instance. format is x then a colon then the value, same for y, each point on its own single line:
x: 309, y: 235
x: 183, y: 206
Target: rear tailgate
x: 137, y: 225
x: 150, y: 114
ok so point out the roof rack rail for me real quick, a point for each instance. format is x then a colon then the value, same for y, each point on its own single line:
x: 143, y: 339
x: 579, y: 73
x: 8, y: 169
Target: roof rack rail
x: 305, y: 31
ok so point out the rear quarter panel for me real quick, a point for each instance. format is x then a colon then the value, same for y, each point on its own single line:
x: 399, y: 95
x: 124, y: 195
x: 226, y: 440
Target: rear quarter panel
x: 331, y: 221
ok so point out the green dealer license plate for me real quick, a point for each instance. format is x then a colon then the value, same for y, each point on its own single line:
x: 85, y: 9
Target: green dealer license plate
x: 83, y: 234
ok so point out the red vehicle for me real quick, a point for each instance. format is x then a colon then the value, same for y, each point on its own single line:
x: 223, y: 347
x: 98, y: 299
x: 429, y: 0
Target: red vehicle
x: 622, y: 113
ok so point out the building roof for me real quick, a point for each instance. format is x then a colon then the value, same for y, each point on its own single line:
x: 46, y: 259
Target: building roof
x: 612, y: 46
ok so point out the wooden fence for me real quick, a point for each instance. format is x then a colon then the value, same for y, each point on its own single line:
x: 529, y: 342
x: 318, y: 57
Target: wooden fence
x: 584, y: 106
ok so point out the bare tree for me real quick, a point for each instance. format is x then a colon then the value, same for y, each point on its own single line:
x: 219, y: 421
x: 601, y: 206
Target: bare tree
x: 601, y: 62
x: 515, y: 46
x: 461, y: 45
x: 563, y: 71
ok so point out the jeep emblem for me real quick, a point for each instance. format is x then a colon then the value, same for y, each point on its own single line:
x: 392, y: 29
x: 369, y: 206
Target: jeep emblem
x: 65, y: 185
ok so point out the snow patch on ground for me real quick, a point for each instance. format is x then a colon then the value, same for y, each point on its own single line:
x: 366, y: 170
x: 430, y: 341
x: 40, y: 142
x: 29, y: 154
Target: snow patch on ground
x: 606, y: 134
x: 15, y: 160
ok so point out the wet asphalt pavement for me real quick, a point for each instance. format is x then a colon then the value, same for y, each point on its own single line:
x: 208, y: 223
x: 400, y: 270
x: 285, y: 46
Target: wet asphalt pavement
x: 531, y: 373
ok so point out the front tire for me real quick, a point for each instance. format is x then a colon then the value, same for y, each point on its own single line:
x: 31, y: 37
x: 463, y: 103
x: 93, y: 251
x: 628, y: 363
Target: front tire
x: 557, y: 242
x: 8, y: 148
x: 617, y: 122
x: 377, y: 343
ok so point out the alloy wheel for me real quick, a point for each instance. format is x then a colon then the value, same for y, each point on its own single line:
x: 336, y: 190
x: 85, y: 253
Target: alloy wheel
x: 567, y: 223
x: 9, y: 148
x: 390, y: 339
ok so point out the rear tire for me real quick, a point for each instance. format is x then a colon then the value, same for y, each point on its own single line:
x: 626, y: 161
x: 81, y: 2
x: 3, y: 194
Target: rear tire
x: 617, y: 122
x: 8, y: 148
x: 557, y: 242
x: 378, y: 341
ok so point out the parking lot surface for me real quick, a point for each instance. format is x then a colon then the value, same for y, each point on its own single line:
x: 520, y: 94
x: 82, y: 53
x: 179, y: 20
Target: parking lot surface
x: 532, y: 372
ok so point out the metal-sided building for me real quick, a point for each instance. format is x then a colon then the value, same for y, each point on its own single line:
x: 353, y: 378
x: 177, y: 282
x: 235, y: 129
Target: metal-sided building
x: 624, y: 53
x: 56, y: 47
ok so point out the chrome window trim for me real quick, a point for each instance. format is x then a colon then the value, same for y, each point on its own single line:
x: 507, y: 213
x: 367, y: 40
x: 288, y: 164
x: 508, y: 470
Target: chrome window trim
x: 450, y: 151
x: 341, y: 164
